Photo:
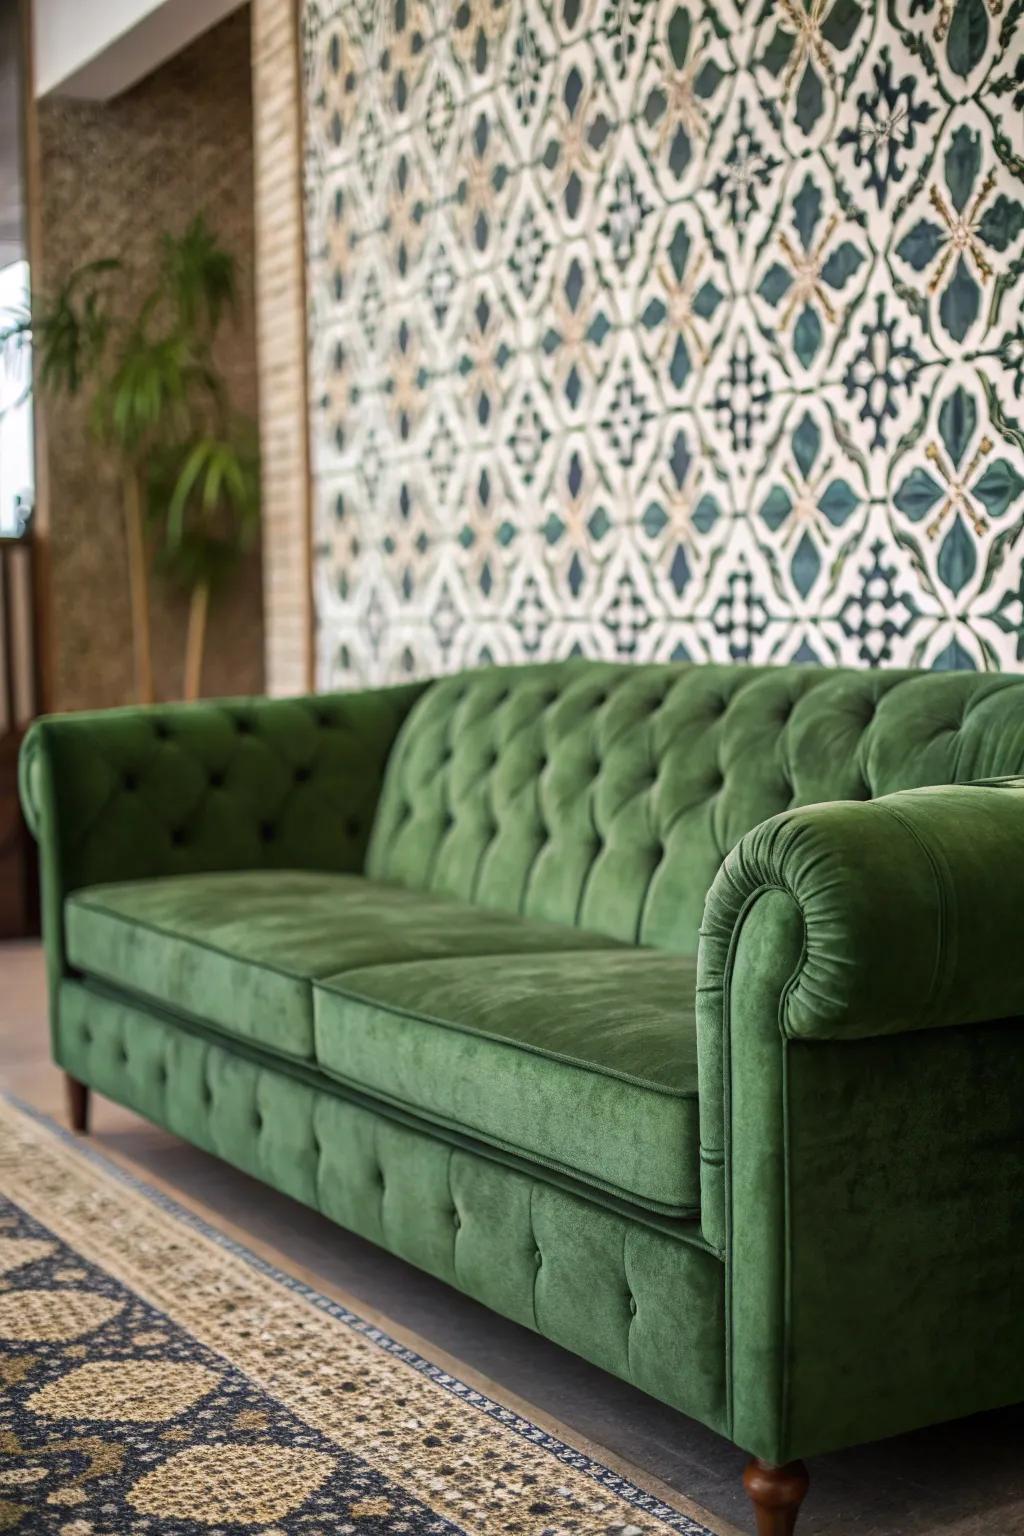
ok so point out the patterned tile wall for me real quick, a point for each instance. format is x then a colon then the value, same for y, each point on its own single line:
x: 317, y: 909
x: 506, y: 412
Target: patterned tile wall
x: 653, y: 330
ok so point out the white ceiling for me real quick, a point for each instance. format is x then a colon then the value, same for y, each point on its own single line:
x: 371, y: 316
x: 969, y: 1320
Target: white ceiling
x: 12, y: 217
x: 94, y: 49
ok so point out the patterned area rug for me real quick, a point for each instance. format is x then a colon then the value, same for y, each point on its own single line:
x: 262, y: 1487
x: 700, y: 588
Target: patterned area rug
x: 156, y: 1377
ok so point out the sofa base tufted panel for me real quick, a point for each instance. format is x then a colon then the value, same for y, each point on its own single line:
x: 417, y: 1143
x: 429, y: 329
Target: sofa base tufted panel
x: 641, y: 1298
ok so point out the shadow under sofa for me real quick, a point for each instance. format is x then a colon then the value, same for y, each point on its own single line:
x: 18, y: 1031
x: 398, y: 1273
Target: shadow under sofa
x: 670, y: 1010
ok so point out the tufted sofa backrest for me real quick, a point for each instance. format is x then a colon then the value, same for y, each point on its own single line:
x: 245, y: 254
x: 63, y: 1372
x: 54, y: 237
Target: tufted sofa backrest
x: 607, y: 795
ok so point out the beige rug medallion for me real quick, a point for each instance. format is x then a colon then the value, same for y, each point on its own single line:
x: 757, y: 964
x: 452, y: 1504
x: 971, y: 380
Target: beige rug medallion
x: 157, y: 1377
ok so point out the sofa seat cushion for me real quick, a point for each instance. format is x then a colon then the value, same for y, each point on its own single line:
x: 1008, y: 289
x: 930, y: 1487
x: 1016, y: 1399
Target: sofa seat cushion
x: 586, y: 1063
x: 240, y: 951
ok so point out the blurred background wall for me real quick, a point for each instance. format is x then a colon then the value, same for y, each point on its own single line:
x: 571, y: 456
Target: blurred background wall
x: 113, y: 174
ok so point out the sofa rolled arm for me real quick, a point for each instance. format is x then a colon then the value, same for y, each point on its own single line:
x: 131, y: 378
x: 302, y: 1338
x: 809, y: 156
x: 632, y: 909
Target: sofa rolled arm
x: 866, y: 918
x: 912, y: 908
x: 137, y: 793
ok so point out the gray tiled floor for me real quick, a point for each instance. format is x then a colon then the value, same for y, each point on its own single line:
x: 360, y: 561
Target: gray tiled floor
x: 963, y: 1479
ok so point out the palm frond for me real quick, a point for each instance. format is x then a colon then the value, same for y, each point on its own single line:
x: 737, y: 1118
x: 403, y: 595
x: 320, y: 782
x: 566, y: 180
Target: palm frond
x: 199, y: 276
x: 70, y: 331
x: 205, y: 492
x: 147, y: 394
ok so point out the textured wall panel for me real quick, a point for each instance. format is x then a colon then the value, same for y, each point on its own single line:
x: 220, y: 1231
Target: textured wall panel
x: 114, y: 175
x: 657, y: 330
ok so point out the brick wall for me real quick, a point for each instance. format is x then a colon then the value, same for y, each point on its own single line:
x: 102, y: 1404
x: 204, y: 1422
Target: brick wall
x: 281, y: 309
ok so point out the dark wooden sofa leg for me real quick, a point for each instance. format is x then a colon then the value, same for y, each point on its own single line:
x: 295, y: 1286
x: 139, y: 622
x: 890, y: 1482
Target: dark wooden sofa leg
x: 776, y: 1494
x: 78, y: 1103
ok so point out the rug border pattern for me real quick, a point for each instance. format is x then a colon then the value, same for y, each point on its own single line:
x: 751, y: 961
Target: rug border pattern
x: 604, y: 1476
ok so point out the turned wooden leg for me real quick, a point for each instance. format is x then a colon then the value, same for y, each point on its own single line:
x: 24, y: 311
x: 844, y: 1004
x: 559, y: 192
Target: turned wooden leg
x: 776, y: 1494
x: 78, y: 1103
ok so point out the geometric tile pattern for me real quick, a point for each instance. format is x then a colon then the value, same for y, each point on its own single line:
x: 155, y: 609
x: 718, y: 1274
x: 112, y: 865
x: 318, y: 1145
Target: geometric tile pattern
x: 660, y: 330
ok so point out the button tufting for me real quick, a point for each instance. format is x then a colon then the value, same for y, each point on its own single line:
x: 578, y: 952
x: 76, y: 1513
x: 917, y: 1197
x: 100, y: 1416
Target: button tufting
x: 178, y: 837
x: 352, y: 827
x: 456, y: 1220
x: 217, y: 780
x: 243, y: 726
x: 268, y: 832
x: 302, y: 775
x: 538, y: 1257
x: 632, y: 1305
x: 129, y: 782
x: 257, y: 1120
x: 161, y: 731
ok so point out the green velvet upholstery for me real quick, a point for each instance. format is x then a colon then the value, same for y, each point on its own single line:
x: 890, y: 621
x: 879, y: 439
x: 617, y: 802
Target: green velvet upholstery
x: 609, y: 795
x: 910, y: 911
x: 640, y: 1298
x: 584, y: 1061
x: 241, y: 950
x: 518, y: 1117
x: 131, y: 794
x: 874, y: 1215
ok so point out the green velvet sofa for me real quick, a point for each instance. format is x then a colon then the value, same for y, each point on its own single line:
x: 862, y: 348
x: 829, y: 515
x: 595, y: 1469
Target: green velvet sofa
x: 672, y: 1011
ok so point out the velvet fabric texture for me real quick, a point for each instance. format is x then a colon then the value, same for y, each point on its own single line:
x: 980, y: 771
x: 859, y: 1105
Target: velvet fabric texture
x: 424, y: 957
x: 873, y: 1212
x: 241, y: 950
x: 899, y: 929
x: 584, y: 1061
x: 608, y: 796
x: 132, y: 794
x: 640, y: 1297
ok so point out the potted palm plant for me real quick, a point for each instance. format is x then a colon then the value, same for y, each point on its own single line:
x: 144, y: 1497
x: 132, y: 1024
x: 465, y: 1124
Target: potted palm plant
x: 188, y: 463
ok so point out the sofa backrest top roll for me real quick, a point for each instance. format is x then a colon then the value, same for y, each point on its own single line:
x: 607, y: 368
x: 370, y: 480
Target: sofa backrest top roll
x: 607, y: 795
